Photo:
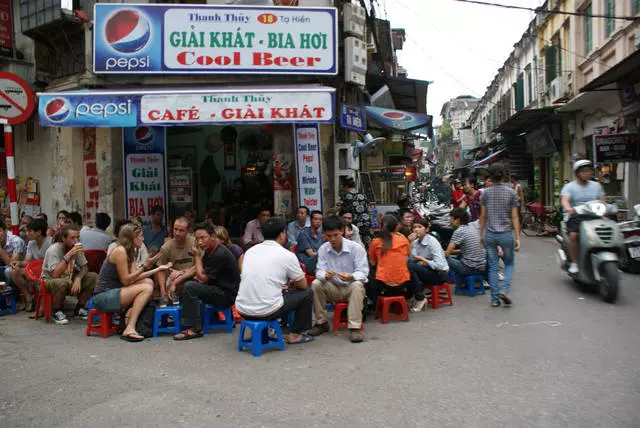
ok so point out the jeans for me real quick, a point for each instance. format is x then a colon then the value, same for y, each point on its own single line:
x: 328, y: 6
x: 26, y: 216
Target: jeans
x: 424, y: 275
x: 194, y: 292
x: 461, y: 269
x: 492, y: 241
x: 300, y: 301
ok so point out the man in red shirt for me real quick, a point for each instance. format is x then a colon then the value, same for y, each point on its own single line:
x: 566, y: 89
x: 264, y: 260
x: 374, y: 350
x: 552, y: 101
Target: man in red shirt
x: 457, y: 196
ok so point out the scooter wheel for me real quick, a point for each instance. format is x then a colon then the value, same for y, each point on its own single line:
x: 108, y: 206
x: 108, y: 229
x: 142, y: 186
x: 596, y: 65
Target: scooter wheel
x: 609, y: 281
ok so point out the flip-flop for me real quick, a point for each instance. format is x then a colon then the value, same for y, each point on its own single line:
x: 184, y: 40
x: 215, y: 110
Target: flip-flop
x: 304, y: 338
x: 130, y: 338
x: 185, y: 336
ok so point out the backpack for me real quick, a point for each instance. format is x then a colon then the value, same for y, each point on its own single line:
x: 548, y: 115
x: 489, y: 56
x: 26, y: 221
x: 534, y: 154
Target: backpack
x: 144, y: 326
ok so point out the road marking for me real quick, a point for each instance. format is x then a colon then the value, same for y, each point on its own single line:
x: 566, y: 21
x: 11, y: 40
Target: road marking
x: 548, y: 323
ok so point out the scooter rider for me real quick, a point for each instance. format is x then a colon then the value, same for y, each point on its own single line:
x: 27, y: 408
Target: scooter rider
x: 578, y: 192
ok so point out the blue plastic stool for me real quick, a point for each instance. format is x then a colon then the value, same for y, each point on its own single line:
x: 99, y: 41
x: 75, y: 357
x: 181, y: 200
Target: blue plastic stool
x: 260, y: 339
x: 8, y: 303
x: 96, y: 318
x: 161, y: 317
x: 469, y: 281
x: 211, y: 320
x: 451, y: 278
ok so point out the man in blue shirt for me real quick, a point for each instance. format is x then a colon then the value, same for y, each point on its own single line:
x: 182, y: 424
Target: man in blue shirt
x: 298, y: 225
x: 578, y: 192
x: 155, y: 234
x: 309, y: 242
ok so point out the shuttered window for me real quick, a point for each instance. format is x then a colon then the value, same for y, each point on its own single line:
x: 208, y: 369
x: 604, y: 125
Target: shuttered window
x: 519, y: 92
x: 635, y: 7
x: 588, y: 29
x: 610, y: 23
x: 551, y: 62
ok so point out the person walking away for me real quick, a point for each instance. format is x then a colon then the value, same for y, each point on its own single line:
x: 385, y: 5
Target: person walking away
x: 342, y: 272
x: 427, y: 264
x: 499, y: 227
x: 273, y: 284
x: 216, y: 281
x: 121, y: 284
x: 578, y: 192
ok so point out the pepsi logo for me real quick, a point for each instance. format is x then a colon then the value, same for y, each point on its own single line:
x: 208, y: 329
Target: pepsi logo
x: 127, y: 31
x: 143, y: 135
x: 396, y: 115
x: 57, y: 110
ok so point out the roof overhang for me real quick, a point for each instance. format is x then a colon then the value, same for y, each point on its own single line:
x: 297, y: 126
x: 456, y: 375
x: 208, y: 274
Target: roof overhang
x: 627, y: 70
x: 407, y: 94
x: 525, y: 120
x: 586, y: 100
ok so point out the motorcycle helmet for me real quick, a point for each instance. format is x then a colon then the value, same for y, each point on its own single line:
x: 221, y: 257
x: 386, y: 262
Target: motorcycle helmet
x: 435, y: 234
x: 581, y: 164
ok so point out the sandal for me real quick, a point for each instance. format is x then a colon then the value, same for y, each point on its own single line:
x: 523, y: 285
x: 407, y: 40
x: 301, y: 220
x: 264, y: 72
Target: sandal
x: 131, y: 337
x: 186, y: 335
x: 304, y: 338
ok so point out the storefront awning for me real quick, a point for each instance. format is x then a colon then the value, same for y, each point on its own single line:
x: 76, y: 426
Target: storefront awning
x: 627, y: 70
x: 187, y: 106
x: 525, y: 120
x: 398, y: 120
x: 489, y: 159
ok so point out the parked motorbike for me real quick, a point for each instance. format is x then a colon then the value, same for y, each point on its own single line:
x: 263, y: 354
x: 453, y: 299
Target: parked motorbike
x: 600, y: 246
x: 630, y: 259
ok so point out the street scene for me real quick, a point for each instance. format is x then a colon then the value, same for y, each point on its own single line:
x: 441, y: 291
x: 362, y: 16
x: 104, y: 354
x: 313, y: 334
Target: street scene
x: 277, y: 213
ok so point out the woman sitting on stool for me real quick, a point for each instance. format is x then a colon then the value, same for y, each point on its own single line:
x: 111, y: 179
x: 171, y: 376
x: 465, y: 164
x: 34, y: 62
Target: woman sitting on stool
x: 120, y: 284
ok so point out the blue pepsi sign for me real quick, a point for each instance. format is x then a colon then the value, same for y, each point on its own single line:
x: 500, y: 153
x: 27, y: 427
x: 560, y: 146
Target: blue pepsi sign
x: 399, y: 120
x: 78, y: 109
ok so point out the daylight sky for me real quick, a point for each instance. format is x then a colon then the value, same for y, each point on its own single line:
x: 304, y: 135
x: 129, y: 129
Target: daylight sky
x: 456, y: 45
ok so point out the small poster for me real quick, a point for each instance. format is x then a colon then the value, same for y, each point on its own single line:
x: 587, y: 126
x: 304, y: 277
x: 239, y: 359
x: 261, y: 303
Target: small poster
x: 282, y: 172
x: 308, y: 166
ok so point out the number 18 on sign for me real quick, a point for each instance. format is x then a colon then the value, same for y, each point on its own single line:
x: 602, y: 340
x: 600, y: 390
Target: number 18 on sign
x: 308, y: 167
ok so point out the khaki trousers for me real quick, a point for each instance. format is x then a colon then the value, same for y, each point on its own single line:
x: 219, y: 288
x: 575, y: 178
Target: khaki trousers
x: 326, y: 291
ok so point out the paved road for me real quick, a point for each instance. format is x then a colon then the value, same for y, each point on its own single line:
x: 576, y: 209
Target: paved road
x: 558, y: 358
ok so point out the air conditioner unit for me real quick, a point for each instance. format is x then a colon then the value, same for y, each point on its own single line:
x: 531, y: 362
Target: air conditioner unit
x: 371, y: 43
x: 355, y: 61
x: 354, y: 20
x: 557, y: 90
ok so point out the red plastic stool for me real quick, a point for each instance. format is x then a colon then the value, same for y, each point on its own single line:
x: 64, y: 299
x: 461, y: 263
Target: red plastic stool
x: 106, y: 326
x: 383, y: 305
x: 436, y: 299
x: 338, y: 319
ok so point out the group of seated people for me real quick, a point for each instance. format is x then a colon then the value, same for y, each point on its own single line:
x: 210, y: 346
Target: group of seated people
x: 265, y: 281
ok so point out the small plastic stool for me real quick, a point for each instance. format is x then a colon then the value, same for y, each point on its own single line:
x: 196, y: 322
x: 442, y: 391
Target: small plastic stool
x: 383, y: 306
x: 8, y: 303
x: 338, y: 319
x: 161, y: 317
x: 436, y: 299
x: 260, y: 339
x: 216, y: 317
x: 451, y: 278
x: 469, y: 285
x: 106, y: 325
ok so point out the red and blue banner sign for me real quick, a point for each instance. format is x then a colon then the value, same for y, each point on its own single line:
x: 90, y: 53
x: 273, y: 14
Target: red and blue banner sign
x: 399, y: 120
x: 150, y: 38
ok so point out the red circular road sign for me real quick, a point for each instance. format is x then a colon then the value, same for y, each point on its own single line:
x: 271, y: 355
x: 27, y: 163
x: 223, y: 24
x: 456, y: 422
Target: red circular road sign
x: 16, y: 99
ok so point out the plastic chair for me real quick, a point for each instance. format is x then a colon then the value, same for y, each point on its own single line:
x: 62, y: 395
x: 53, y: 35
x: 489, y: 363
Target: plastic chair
x: 217, y: 318
x: 338, y: 319
x: 8, y: 303
x: 42, y: 296
x: 95, y: 259
x: 466, y: 285
x: 260, y: 339
x: 436, y: 299
x: 383, y: 306
x: 161, y: 316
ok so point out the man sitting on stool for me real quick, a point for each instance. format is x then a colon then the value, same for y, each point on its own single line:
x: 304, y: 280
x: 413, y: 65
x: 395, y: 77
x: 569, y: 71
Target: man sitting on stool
x: 465, y: 241
x: 342, y: 270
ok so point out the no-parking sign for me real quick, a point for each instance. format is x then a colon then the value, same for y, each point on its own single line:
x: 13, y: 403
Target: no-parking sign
x: 16, y: 99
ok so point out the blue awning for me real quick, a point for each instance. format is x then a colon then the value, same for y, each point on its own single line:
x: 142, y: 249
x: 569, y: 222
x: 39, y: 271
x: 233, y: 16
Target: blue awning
x: 403, y: 121
x: 489, y: 159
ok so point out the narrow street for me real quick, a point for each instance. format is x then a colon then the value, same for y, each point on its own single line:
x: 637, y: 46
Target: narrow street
x: 558, y: 358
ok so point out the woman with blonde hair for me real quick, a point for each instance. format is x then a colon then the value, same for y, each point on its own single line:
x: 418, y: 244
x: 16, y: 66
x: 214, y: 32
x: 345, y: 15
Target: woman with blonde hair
x: 121, y: 284
x: 222, y: 235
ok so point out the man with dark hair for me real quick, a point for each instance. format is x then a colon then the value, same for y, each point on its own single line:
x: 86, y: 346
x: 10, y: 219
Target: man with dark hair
x: 95, y: 238
x: 347, y: 219
x: 273, y: 284
x: 216, y: 281
x: 65, y: 271
x: 253, y: 233
x: 465, y: 241
x: 76, y: 218
x: 309, y: 243
x: 499, y: 215
x: 12, y: 249
x: 179, y: 252
x: 155, y: 234
x: 406, y: 217
x: 298, y: 225
x: 38, y: 245
x: 342, y: 271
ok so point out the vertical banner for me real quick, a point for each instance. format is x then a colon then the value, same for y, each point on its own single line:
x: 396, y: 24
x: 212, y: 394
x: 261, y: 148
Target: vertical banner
x: 308, y: 166
x: 91, y: 180
x: 144, y: 170
x: 6, y: 29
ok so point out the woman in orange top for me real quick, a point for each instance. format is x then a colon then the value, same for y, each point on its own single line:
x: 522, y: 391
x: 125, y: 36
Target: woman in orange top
x: 389, y: 254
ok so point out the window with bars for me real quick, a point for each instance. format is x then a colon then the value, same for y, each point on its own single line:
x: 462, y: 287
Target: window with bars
x: 588, y: 29
x: 610, y: 23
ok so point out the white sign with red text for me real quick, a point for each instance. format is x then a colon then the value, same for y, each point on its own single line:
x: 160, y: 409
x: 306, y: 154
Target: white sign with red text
x: 308, y: 166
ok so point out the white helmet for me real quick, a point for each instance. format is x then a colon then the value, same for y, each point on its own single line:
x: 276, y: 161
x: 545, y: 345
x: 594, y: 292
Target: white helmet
x: 581, y: 164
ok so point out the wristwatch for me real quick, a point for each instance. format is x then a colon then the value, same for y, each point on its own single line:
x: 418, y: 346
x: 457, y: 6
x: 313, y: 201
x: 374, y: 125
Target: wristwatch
x: 67, y: 259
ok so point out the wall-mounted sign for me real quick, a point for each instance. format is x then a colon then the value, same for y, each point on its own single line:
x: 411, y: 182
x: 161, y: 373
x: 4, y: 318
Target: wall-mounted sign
x: 144, y: 171
x: 6, y: 29
x: 16, y: 99
x: 304, y: 104
x: 308, y: 166
x: 353, y: 118
x: 616, y: 148
x: 214, y: 39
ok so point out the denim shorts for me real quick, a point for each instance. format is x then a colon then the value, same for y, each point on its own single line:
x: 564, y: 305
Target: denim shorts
x: 107, y: 301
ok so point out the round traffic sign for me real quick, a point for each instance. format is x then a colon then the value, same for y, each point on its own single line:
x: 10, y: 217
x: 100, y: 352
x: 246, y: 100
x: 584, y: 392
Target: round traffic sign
x: 16, y: 99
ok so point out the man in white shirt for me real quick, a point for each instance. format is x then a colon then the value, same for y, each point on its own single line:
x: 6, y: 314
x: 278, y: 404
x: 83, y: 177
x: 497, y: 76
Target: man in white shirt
x: 298, y: 225
x: 341, y: 273
x: 95, y: 238
x: 273, y: 283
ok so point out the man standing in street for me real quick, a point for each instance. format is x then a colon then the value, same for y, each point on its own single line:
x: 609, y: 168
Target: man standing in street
x: 309, y: 243
x: 297, y: 226
x: 499, y: 215
x: 342, y: 271
x: 155, y: 234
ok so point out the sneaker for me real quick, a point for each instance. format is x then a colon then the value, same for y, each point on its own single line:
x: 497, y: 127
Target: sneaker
x: 573, y: 268
x: 355, y: 335
x: 163, y: 302
x: 60, y: 318
x: 318, y: 329
x: 486, y: 284
x: 419, y: 305
x: 506, y: 300
x: 495, y: 304
x: 500, y: 276
x: 82, y: 313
